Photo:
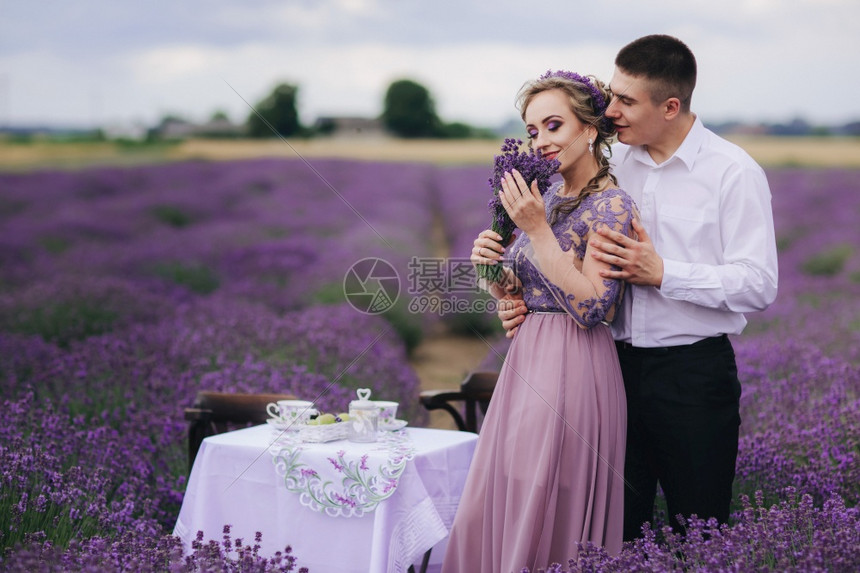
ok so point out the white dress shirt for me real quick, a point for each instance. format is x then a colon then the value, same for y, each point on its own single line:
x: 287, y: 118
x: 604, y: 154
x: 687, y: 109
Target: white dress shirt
x: 708, y: 211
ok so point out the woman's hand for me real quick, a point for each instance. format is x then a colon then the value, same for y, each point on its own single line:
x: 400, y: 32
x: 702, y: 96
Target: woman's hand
x: 487, y: 249
x: 523, y: 204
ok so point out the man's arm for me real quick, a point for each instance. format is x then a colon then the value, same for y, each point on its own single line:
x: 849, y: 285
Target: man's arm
x: 746, y: 279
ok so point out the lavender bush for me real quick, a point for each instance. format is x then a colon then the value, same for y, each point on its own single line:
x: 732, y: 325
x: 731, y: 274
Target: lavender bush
x: 125, y: 291
x: 134, y: 554
x: 792, y: 535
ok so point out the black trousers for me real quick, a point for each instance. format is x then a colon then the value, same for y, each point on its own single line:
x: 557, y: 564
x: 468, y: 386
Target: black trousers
x: 682, y: 430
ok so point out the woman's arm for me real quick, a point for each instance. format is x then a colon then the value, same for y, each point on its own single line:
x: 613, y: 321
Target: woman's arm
x: 586, y: 295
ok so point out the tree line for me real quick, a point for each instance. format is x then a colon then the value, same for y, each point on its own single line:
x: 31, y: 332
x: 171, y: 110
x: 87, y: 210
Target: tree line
x: 409, y: 111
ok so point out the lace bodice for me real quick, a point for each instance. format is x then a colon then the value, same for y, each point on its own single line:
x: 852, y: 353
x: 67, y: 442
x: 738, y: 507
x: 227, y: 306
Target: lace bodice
x: 612, y: 207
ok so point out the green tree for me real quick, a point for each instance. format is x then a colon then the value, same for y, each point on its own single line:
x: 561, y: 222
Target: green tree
x: 279, y: 110
x: 219, y: 115
x: 460, y: 130
x: 409, y: 110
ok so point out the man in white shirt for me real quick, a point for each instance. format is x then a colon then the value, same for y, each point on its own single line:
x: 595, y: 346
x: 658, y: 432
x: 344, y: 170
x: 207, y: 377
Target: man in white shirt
x: 704, y: 255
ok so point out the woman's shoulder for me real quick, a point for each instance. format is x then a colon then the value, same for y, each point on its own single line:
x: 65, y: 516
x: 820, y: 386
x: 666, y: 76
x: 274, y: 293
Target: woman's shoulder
x: 615, y: 192
x: 612, y: 206
x: 614, y: 195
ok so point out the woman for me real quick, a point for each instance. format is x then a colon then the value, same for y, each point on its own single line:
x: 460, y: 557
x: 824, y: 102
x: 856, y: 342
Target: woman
x: 549, y: 464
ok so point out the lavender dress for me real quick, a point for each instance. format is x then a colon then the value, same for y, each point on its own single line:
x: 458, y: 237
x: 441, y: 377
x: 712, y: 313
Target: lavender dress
x: 548, y: 468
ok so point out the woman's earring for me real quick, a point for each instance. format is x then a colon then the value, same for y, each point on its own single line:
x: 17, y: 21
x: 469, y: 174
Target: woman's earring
x: 591, y: 146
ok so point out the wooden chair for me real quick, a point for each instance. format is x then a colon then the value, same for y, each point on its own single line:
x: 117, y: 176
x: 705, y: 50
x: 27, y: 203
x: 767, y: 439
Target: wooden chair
x: 475, y: 392
x: 218, y: 412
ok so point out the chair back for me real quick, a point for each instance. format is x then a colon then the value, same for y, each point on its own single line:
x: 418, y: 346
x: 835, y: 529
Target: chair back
x: 475, y: 392
x: 219, y: 412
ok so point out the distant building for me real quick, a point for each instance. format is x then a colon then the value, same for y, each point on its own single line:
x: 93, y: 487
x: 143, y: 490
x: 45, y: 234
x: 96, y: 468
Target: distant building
x: 349, y: 127
x: 738, y: 128
x: 221, y: 127
x: 134, y: 130
x: 178, y: 128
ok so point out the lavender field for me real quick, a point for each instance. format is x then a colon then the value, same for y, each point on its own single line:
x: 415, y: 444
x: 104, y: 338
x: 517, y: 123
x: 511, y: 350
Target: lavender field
x: 124, y: 291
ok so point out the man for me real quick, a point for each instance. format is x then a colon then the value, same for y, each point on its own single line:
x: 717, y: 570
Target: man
x: 704, y: 255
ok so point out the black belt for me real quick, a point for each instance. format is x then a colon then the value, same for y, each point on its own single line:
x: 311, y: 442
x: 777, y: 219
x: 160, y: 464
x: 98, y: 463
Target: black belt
x: 712, y: 341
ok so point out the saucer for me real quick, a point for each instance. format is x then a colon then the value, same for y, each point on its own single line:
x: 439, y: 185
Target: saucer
x: 394, y: 425
x: 283, y: 425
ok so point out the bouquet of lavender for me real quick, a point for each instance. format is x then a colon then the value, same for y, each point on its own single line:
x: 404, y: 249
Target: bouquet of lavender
x: 532, y: 167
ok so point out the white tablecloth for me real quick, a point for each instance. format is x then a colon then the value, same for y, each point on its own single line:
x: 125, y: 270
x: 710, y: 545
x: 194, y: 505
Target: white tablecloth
x: 234, y: 482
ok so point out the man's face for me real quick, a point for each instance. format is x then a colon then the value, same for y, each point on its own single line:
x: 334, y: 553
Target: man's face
x: 638, y: 120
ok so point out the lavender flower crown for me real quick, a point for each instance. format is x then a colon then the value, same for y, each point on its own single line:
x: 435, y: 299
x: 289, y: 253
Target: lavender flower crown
x: 598, y: 102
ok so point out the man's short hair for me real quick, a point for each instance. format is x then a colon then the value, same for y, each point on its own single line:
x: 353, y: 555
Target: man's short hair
x: 664, y: 60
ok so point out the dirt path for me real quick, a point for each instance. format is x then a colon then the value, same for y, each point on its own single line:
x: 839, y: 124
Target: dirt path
x: 442, y: 360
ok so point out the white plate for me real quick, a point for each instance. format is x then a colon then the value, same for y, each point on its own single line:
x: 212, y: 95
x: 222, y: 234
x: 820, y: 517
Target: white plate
x: 394, y: 425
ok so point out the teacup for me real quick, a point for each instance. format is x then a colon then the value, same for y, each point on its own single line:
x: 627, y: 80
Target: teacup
x: 292, y: 411
x: 387, y: 411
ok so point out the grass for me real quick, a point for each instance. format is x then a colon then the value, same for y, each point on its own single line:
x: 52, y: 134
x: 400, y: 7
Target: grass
x: 769, y: 151
x: 63, y: 321
x: 198, y: 278
x: 829, y: 262
x: 172, y: 216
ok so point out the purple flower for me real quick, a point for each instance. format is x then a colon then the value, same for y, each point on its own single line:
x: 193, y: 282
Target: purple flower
x: 343, y: 500
x: 532, y: 167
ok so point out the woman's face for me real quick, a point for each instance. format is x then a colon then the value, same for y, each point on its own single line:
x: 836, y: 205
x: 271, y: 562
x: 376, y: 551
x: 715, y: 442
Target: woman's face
x: 555, y: 131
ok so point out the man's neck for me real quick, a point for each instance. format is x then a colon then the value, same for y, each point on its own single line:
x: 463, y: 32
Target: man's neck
x: 673, y: 137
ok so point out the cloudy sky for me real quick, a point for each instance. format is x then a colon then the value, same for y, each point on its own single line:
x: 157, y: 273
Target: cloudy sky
x: 92, y: 62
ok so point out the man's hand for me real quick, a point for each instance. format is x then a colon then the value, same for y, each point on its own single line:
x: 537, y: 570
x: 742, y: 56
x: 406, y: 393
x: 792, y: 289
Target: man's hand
x: 512, y: 312
x: 637, y: 260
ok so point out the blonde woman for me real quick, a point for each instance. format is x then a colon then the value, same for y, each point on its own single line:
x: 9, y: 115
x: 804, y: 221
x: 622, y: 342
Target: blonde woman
x: 549, y: 464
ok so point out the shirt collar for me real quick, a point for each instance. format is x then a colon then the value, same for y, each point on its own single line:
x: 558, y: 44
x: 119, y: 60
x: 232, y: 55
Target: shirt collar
x: 686, y: 152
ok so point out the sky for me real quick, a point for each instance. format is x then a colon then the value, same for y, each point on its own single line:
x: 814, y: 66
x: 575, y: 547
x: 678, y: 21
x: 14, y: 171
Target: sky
x: 94, y: 63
